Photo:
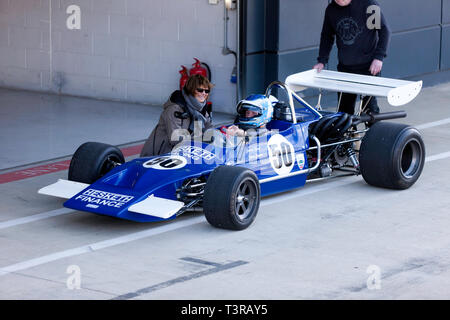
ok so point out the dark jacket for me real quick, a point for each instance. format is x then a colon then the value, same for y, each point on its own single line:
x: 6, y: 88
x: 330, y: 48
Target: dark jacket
x: 357, y: 43
x: 175, y: 115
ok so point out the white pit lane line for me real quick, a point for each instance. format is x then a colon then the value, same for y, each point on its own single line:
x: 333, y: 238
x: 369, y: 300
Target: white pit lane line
x: 433, y: 124
x: 35, y: 217
x: 439, y: 156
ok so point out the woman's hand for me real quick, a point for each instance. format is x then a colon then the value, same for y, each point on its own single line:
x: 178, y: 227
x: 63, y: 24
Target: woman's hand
x: 235, y: 131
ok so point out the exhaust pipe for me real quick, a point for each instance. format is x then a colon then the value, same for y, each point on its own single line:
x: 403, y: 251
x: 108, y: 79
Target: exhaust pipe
x: 372, y: 118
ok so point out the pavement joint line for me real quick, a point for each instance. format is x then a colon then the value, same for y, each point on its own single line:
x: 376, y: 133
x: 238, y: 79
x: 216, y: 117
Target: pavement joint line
x: 166, y: 228
x: 58, y: 282
x: 163, y: 285
x: 201, y: 261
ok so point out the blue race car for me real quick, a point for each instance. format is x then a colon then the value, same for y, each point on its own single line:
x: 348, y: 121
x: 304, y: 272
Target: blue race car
x: 226, y: 176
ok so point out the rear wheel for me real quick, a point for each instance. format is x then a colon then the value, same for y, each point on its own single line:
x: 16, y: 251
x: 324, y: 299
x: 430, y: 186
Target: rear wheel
x: 232, y: 197
x: 392, y: 155
x: 93, y: 160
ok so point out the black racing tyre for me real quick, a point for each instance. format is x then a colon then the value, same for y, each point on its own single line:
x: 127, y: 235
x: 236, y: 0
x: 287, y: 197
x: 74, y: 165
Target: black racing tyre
x: 392, y: 155
x: 93, y: 160
x: 231, y: 199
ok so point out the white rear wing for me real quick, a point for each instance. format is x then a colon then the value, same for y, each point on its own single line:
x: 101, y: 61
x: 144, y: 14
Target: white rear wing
x: 397, y: 92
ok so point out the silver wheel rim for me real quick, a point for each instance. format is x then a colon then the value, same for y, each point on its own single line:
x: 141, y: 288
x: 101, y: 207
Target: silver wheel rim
x: 411, y: 158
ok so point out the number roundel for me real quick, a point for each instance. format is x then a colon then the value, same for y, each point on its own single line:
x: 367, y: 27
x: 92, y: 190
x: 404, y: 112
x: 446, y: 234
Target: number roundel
x: 171, y: 162
x: 281, y: 154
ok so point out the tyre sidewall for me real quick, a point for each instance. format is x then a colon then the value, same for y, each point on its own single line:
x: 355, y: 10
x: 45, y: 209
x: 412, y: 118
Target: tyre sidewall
x: 87, y: 162
x: 409, y: 135
x: 381, y: 155
x: 220, y: 197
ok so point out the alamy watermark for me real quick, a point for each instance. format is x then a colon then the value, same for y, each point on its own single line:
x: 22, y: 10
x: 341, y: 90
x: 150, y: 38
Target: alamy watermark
x: 374, y: 280
x: 73, y: 22
x: 374, y: 21
x: 73, y: 282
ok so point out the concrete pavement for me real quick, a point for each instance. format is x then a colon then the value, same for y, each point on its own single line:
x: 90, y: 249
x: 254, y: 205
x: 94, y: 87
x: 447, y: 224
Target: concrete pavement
x: 337, y: 239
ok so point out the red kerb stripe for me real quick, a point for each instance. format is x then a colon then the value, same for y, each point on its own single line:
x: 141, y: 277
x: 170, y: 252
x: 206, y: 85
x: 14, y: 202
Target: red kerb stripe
x: 54, y: 167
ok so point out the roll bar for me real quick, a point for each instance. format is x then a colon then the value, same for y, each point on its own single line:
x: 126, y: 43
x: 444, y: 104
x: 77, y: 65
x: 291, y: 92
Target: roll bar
x: 291, y: 95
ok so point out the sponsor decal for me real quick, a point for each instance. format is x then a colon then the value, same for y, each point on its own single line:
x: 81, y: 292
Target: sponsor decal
x: 96, y: 198
x: 170, y: 162
x: 194, y: 153
x: 301, y: 161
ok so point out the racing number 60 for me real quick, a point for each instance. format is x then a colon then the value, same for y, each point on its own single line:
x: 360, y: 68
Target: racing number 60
x: 282, y: 155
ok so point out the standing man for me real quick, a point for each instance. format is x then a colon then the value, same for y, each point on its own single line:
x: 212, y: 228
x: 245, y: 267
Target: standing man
x: 362, y: 37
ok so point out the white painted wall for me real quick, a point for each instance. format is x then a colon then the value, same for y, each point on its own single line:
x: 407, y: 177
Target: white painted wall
x: 127, y: 50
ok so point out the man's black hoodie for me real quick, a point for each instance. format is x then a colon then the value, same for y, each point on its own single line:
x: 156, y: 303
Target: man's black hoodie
x: 357, y: 44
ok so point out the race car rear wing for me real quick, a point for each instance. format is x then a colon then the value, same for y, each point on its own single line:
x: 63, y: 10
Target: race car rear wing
x: 397, y: 92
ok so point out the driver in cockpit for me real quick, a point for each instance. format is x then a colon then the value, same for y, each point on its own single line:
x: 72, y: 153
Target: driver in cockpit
x: 254, y: 113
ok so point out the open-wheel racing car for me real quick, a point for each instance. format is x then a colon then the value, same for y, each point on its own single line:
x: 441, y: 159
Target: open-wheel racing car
x: 226, y: 180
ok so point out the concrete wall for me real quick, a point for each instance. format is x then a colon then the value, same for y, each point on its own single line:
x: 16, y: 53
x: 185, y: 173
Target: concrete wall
x: 128, y: 50
x: 445, y: 50
x: 260, y: 45
x: 420, y: 41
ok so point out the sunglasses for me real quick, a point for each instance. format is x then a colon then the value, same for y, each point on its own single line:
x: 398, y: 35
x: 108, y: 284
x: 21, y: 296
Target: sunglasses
x: 200, y: 90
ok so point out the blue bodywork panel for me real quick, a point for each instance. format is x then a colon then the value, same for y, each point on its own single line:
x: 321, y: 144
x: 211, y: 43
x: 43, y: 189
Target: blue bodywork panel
x: 281, y: 150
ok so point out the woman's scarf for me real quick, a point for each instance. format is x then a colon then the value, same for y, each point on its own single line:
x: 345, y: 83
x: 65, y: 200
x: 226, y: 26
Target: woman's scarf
x: 195, y: 107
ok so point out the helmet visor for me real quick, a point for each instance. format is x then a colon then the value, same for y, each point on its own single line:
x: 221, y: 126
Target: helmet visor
x: 247, y: 111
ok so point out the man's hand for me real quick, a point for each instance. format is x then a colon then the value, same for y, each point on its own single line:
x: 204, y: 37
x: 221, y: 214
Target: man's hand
x: 319, y: 67
x: 375, y: 67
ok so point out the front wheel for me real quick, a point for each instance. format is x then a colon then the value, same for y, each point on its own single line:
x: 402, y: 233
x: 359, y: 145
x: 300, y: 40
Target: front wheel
x: 392, y: 155
x: 93, y: 160
x: 231, y: 199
